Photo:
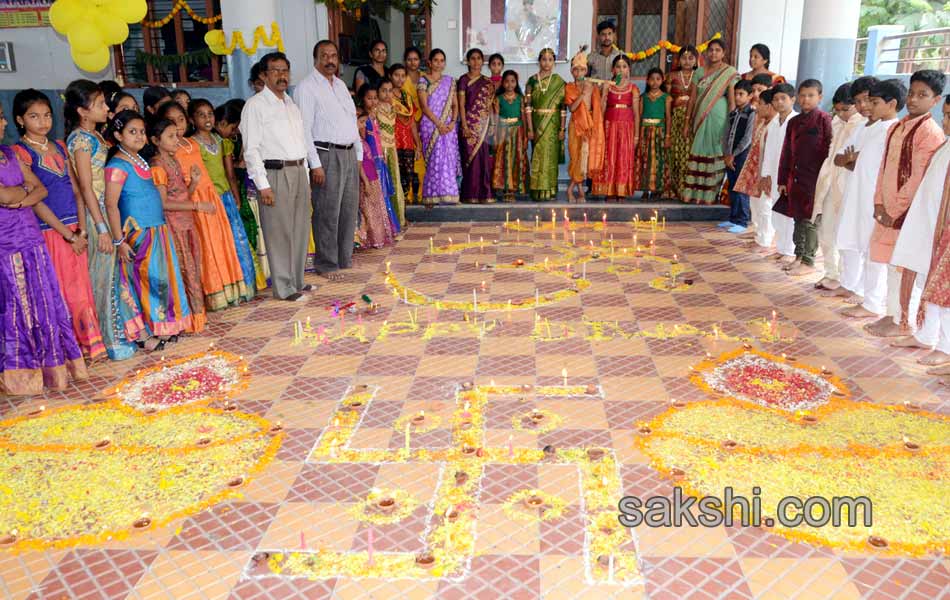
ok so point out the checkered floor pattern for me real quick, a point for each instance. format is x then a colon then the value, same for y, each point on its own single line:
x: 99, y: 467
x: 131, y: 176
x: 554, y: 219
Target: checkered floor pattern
x: 294, y: 501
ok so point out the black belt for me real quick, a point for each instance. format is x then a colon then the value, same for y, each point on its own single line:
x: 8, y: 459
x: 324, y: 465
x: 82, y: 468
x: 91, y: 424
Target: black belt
x: 326, y: 146
x: 277, y: 165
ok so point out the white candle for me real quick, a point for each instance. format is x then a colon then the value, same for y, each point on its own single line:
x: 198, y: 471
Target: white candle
x: 387, y: 265
x: 537, y: 297
x: 610, y: 570
x: 407, y: 439
x: 507, y: 214
x: 405, y: 295
x: 431, y: 245
x: 369, y: 546
x: 584, y: 270
x: 474, y: 300
x: 564, y: 375
x: 573, y: 238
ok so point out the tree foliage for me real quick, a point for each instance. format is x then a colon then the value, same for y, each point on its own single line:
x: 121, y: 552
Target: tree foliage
x: 914, y: 15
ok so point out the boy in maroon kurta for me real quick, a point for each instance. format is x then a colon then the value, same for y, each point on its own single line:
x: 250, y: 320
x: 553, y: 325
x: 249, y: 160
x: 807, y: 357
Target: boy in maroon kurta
x: 807, y: 141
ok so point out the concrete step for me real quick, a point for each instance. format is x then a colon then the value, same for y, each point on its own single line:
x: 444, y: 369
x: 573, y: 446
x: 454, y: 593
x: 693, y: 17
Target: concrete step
x: 527, y: 211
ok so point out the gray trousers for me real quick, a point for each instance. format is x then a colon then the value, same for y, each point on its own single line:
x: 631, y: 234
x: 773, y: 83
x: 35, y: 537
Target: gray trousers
x: 285, y: 229
x: 336, y: 206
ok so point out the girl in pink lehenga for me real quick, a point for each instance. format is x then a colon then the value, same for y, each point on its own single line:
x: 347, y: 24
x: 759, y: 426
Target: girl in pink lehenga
x: 376, y: 230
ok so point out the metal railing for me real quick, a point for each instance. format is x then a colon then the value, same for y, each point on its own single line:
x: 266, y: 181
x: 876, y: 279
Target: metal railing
x: 909, y: 52
x: 860, y: 55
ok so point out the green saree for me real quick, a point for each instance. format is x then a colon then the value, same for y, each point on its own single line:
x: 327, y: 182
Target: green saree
x: 545, y: 101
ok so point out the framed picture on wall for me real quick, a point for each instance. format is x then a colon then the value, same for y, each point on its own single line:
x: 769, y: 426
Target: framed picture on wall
x: 517, y: 29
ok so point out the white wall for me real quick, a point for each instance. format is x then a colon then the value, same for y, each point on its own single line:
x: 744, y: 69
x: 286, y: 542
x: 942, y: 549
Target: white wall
x: 302, y: 23
x: 447, y: 12
x: 42, y: 60
x: 778, y: 25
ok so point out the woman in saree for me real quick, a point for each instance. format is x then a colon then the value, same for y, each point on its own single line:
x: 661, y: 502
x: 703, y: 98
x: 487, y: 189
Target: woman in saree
x: 475, y: 95
x: 544, y: 96
x: 759, y: 58
x: 709, y: 108
x: 412, y: 59
x: 439, y: 134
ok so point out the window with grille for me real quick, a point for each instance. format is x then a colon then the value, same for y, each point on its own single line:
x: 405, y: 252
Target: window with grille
x: 174, y: 53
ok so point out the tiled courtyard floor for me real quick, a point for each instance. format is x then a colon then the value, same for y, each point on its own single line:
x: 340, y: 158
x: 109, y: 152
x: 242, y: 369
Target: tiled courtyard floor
x: 296, y: 502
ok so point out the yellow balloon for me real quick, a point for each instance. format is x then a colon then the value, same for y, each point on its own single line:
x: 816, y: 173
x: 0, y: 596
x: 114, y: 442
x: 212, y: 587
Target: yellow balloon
x: 215, y: 40
x: 84, y: 37
x: 111, y: 30
x: 63, y: 14
x: 129, y: 11
x: 92, y: 62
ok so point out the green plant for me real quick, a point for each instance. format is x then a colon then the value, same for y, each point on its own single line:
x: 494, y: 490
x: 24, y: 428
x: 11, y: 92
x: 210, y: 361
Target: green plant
x: 914, y: 15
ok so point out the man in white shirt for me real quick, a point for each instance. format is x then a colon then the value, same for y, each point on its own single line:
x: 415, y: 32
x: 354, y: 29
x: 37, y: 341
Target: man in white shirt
x: 335, y: 149
x: 276, y: 153
x: 783, y: 99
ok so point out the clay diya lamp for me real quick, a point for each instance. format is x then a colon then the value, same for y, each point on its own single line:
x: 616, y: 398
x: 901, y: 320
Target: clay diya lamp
x: 518, y: 262
x: 276, y: 428
x: 465, y: 425
x: 591, y: 389
x: 228, y: 407
x: 202, y: 442
x: 729, y: 444
x: 425, y: 560
x: 142, y: 523
x: 534, y: 502
x: 595, y: 454
x: 607, y: 530
x: 467, y: 385
x: 461, y: 477
x: 418, y: 419
x: 260, y: 557
x: 688, y: 281
x: 550, y: 453
x: 526, y: 387
x: 151, y: 410
x: 536, y: 416
x: 386, y: 505
x: 8, y: 539
x: 678, y: 404
x: 876, y: 541
x: 576, y: 276
x: 468, y: 451
x: 826, y: 372
x: 36, y: 411
x: 644, y: 430
x: 809, y: 419
x: 603, y: 560
x: 595, y: 255
x: 677, y: 473
x: 453, y: 515
x: 236, y: 482
x: 911, y: 446
x: 361, y: 387
x: 789, y: 358
x: 912, y: 406
x: 747, y: 346
x: 102, y: 444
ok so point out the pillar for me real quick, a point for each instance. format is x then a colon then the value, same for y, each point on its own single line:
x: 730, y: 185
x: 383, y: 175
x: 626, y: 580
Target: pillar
x: 245, y: 16
x: 826, y: 52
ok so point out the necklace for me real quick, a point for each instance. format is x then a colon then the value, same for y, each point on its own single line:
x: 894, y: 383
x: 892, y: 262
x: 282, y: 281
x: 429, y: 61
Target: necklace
x: 211, y: 147
x: 136, y: 160
x: 683, y: 81
x: 541, y: 84
x: 186, y: 146
x: 44, y: 144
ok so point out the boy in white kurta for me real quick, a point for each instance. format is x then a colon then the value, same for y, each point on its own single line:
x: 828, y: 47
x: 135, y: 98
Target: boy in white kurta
x: 783, y: 100
x: 831, y: 182
x: 914, y: 250
x: 857, y: 215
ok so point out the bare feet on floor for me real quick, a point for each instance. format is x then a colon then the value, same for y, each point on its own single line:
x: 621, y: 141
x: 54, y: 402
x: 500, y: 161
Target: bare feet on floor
x: 858, y: 312
x: 941, y: 370
x: 828, y: 284
x: 935, y: 359
x: 885, y: 327
x: 945, y: 382
x: 909, y: 342
x: 800, y: 269
x: 787, y: 260
x: 853, y: 299
x: 838, y: 292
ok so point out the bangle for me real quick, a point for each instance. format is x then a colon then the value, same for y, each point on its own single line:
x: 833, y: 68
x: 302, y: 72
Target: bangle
x: 83, y: 233
x: 71, y: 238
x: 118, y: 242
x: 101, y: 227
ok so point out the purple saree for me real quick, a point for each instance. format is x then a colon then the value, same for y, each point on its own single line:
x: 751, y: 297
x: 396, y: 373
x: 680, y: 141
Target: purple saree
x: 441, y: 152
x: 476, y: 157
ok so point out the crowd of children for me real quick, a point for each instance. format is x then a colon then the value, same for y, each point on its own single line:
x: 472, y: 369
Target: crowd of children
x: 124, y: 234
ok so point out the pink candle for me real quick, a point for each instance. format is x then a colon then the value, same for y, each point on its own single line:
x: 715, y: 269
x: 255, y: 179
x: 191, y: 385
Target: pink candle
x: 369, y: 547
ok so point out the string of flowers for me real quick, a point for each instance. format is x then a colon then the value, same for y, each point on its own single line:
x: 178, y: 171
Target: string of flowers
x: 177, y: 8
x: 665, y: 45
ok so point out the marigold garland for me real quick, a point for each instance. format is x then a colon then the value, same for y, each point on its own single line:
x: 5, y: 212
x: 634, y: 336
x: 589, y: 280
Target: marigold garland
x: 665, y: 45
x: 218, y: 43
x: 178, y: 7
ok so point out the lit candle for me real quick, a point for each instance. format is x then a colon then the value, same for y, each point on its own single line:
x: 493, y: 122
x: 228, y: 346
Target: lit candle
x: 585, y: 218
x: 545, y: 263
x: 553, y: 218
x: 450, y: 241
x: 507, y: 214
x: 474, y: 299
x: 584, y: 270
x: 537, y: 221
x: 465, y: 409
x: 483, y: 285
x: 605, y: 220
x: 511, y: 449
x: 610, y: 569
x: 664, y: 224
x: 405, y: 295
x: 774, y: 321
x: 388, y: 263
x: 573, y: 238
x: 431, y: 245
x: 469, y: 238
x: 564, y: 375
x: 369, y: 545
x: 481, y: 241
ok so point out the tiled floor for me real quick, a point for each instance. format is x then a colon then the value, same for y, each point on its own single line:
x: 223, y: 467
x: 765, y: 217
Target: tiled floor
x: 300, y: 501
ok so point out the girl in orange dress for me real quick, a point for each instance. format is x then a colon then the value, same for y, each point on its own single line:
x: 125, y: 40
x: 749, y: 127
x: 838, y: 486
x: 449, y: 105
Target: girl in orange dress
x: 221, y: 274
x: 618, y: 178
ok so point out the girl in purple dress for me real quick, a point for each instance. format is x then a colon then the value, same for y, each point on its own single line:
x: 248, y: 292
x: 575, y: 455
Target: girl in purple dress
x: 440, y: 146
x: 37, y: 345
